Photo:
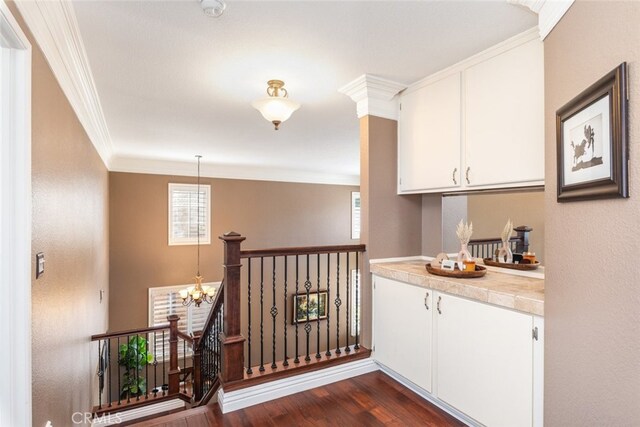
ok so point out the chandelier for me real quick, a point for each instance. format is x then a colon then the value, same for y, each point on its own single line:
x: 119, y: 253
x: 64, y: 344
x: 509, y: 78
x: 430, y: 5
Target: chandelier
x: 198, y: 293
x: 276, y: 107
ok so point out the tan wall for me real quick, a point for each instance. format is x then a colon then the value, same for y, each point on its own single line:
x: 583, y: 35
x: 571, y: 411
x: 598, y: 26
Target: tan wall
x: 269, y: 214
x: 391, y: 224
x: 490, y: 212
x: 592, y: 321
x: 70, y: 225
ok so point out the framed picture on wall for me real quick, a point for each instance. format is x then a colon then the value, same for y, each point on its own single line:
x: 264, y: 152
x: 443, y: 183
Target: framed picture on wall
x: 591, y: 140
x: 317, y: 306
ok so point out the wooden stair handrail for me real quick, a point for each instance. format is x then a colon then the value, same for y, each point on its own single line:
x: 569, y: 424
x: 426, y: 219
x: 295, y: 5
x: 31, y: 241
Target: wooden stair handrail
x: 139, y: 331
x: 303, y: 250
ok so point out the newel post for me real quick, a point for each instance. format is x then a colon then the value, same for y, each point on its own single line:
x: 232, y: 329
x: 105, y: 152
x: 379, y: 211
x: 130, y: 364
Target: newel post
x: 174, y: 371
x: 231, y: 339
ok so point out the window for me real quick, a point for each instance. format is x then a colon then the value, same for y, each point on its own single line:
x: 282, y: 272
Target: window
x: 165, y: 301
x: 184, y: 216
x: 355, y: 215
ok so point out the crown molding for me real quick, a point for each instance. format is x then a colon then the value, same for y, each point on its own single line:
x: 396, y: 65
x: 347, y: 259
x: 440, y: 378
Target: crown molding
x: 374, y: 96
x: 246, y: 172
x: 550, y: 12
x: 55, y: 28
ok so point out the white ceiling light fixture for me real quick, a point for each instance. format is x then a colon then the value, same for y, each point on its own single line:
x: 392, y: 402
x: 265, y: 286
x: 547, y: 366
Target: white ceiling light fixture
x: 213, y: 8
x: 277, y: 107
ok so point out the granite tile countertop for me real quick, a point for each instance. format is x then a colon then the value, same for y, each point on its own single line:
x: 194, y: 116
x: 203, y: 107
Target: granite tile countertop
x: 524, y: 294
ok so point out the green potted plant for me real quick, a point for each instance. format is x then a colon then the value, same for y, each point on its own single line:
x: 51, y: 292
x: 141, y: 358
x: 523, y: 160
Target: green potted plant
x: 134, y: 356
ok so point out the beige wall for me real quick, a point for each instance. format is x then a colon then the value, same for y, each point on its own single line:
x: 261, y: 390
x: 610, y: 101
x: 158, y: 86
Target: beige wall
x: 391, y: 224
x: 70, y: 225
x: 269, y: 214
x: 592, y: 320
x: 490, y: 212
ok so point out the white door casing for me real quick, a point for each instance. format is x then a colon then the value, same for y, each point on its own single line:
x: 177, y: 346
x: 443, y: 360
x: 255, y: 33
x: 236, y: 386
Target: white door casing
x: 15, y: 221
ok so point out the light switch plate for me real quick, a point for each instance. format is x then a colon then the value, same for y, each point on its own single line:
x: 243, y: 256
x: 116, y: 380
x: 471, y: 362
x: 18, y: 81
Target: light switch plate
x: 39, y: 264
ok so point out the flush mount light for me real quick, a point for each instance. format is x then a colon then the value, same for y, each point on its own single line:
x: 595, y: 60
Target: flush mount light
x: 276, y: 107
x: 213, y: 8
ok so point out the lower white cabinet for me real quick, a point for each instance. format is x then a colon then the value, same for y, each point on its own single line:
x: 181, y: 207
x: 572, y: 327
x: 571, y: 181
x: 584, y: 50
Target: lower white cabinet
x: 403, y: 329
x: 484, y: 361
x: 477, y: 358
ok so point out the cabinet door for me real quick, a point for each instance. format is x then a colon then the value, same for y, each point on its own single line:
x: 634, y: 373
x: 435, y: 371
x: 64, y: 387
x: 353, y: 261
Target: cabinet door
x: 403, y: 329
x: 484, y: 361
x: 429, y: 137
x: 504, y: 118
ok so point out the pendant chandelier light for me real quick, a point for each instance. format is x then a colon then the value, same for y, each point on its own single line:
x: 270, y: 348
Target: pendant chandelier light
x: 276, y: 107
x: 197, y: 294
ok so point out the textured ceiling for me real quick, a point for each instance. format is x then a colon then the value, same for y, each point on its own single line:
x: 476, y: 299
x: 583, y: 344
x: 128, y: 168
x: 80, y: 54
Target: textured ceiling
x: 174, y: 83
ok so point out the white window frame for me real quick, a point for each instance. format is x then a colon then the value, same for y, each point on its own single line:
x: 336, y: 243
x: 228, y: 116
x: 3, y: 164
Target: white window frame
x: 205, y: 238
x: 356, y: 204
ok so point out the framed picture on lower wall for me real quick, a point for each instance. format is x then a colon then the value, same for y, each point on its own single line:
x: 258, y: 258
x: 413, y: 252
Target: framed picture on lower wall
x: 591, y: 139
x: 315, y: 307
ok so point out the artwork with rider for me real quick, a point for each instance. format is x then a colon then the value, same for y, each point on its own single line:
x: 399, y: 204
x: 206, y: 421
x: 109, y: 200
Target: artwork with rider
x: 584, y: 144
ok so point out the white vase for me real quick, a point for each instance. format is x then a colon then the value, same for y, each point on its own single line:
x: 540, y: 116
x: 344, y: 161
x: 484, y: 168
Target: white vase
x: 504, y: 254
x: 464, y: 254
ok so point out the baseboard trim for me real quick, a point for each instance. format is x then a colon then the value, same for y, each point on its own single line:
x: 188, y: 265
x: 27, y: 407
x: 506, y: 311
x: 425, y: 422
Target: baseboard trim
x: 429, y: 397
x: 243, y: 398
x: 115, y: 418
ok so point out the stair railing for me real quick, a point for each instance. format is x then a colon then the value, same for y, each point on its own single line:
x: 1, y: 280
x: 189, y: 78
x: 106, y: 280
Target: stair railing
x: 141, y: 366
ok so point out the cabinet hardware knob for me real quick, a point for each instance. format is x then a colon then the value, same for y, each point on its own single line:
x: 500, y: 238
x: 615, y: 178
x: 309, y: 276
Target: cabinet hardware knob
x: 426, y: 301
x: 438, y: 306
x: 454, y: 176
x: 467, y: 174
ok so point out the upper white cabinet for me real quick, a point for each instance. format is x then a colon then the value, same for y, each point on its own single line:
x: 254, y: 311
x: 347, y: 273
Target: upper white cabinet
x: 478, y: 124
x: 429, y: 119
x: 504, y: 117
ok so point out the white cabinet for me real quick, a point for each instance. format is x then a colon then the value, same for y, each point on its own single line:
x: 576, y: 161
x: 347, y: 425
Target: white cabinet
x: 429, y: 131
x: 478, y: 124
x: 403, y: 329
x: 504, y: 117
x: 484, y: 361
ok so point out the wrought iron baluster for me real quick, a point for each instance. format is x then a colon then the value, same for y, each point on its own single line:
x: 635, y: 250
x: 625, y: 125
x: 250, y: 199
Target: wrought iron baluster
x: 295, y: 314
x: 357, y: 303
x: 285, y: 362
x: 307, y: 326
x: 338, y: 302
x: 118, y: 370
x: 249, y: 370
x: 164, y: 364
x: 347, y: 349
x: 318, y: 355
x: 184, y: 366
x: 327, y: 305
x: 137, y: 355
x: 100, y: 376
x: 108, y: 344
x: 274, y: 313
x: 261, y: 369
x: 146, y: 366
x: 155, y: 364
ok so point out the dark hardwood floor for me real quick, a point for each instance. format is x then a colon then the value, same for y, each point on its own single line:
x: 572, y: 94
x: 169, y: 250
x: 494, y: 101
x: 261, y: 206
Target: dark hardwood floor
x: 372, y: 399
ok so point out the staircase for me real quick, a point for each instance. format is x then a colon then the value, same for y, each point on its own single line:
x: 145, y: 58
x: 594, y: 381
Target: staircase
x: 300, y: 296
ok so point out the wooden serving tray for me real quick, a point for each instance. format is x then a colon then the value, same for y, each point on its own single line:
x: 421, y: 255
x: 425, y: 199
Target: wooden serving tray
x: 480, y: 271
x: 525, y: 267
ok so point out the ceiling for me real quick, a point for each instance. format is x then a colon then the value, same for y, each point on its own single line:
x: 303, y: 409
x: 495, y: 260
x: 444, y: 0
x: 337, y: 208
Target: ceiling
x: 173, y: 82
